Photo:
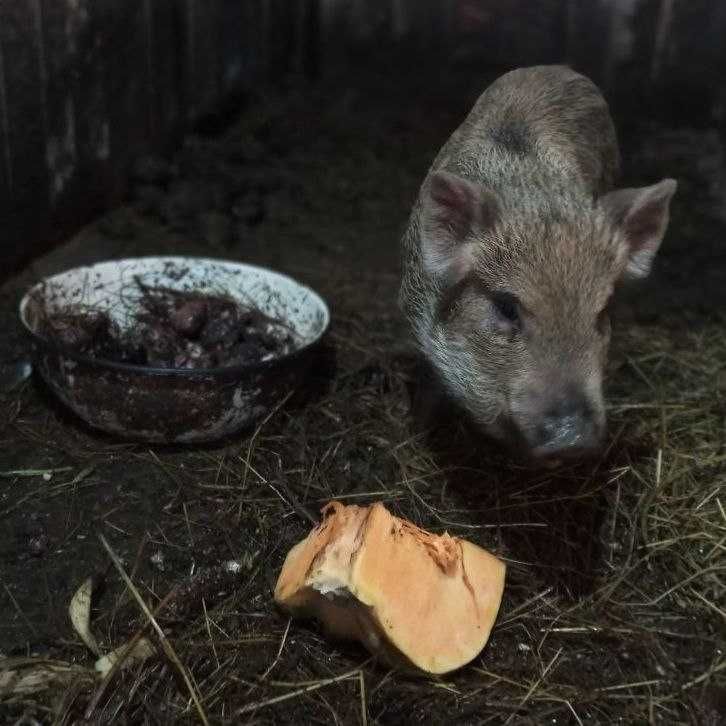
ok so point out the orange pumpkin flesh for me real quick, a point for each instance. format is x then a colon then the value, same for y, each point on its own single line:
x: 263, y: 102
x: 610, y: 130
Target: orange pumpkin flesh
x: 411, y: 597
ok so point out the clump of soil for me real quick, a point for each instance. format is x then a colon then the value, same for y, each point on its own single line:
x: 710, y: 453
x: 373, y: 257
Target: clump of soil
x: 175, y: 329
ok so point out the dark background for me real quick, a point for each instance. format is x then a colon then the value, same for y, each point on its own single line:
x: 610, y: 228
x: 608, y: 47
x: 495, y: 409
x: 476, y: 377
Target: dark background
x: 86, y: 87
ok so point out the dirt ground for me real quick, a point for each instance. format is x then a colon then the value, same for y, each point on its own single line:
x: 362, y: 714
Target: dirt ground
x: 614, y: 605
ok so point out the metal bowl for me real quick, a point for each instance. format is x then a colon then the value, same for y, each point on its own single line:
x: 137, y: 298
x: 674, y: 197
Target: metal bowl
x: 171, y: 405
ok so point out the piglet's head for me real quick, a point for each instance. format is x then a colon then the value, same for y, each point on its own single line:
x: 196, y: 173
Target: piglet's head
x: 521, y: 329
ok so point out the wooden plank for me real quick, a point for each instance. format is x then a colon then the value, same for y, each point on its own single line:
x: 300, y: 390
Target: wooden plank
x: 24, y: 131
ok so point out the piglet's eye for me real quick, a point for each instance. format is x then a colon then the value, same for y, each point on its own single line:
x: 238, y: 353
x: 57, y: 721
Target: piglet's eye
x: 506, y: 306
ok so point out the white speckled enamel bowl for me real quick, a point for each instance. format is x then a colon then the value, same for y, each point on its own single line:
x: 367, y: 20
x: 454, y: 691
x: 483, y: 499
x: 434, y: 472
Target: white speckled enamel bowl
x: 172, y: 405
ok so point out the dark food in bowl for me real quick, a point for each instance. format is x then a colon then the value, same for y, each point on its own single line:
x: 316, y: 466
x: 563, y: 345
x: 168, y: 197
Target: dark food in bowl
x: 175, y: 329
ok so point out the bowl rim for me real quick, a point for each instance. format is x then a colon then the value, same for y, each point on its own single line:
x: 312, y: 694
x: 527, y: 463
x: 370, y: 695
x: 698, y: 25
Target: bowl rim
x: 217, y: 371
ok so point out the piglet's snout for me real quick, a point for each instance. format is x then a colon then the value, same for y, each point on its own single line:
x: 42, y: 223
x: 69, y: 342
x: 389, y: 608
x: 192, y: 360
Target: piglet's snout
x: 566, y: 427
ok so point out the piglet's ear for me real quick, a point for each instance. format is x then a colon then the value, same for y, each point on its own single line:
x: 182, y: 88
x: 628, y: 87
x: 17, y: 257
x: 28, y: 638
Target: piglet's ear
x: 453, y: 210
x: 642, y: 216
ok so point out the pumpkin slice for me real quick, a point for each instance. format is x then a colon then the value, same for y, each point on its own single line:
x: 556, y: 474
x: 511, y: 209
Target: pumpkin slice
x: 411, y: 597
